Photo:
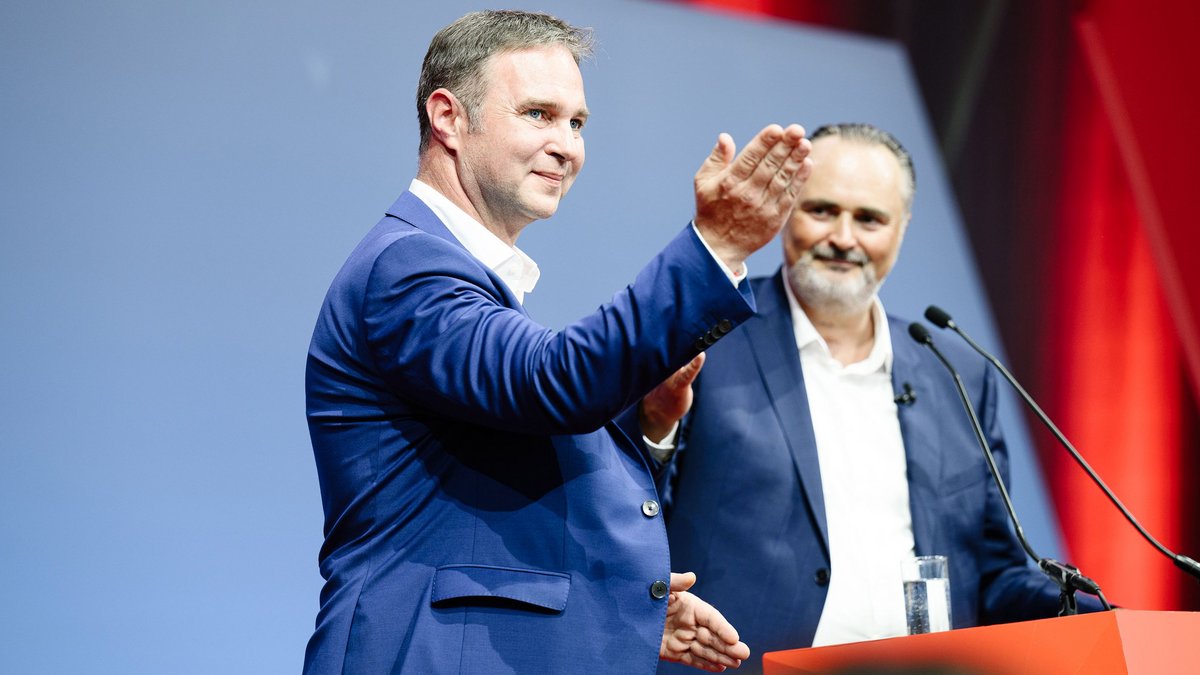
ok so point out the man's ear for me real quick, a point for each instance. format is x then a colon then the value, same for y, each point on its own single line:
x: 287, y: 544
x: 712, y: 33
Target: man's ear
x: 447, y: 118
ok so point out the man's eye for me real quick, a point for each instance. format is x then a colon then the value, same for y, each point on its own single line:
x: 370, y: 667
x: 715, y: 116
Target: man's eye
x: 537, y: 114
x: 576, y: 124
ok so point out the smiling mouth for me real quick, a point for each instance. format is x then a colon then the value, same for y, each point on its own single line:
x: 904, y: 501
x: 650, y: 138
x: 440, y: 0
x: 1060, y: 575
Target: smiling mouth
x: 554, y: 178
x: 840, y: 263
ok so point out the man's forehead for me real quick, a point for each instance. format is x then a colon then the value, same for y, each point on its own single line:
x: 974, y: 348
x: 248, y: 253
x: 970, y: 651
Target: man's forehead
x: 534, y: 58
x: 546, y: 74
x: 853, y: 170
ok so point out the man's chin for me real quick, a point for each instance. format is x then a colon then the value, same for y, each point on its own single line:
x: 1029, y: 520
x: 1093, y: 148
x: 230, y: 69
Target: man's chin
x: 838, y: 292
x: 542, y: 207
x: 545, y: 212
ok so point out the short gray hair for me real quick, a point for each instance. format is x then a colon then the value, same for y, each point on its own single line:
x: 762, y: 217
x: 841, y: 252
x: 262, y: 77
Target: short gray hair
x: 869, y: 133
x: 459, y: 52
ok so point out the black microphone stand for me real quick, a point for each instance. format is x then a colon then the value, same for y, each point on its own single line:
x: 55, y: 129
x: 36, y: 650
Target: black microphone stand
x: 1068, y: 577
x: 941, y: 319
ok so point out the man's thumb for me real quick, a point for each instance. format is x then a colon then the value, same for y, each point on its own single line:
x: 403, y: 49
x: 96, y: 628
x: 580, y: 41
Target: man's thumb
x: 687, y: 374
x: 721, y: 155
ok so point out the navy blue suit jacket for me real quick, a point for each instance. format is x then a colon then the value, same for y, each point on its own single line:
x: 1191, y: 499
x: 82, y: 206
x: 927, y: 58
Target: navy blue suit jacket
x: 745, y: 506
x: 482, y: 512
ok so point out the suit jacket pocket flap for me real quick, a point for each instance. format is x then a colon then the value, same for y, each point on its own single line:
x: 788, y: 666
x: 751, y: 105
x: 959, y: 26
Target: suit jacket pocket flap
x: 540, y: 588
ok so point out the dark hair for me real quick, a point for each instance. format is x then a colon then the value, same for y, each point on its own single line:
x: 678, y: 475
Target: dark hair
x: 459, y: 52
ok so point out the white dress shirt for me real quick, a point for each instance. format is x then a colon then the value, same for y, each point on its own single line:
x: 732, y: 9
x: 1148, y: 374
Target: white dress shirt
x: 865, y: 481
x: 518, y: 271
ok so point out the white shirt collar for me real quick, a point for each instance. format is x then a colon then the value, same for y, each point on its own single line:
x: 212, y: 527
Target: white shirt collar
x: 518, y: 271
x: 808, y: 337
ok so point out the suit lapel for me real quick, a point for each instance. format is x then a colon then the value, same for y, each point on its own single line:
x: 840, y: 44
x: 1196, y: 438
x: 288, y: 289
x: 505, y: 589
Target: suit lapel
x: 920, y: 429
x: 410, y: 209
x: 773, y: 344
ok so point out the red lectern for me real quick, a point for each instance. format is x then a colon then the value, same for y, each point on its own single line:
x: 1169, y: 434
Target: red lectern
x: 1123, y: 641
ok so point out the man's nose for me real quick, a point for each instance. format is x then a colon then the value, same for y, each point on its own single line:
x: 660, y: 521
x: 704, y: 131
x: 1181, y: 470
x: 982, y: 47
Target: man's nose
x: 842, y: 235
x: 566, y: 143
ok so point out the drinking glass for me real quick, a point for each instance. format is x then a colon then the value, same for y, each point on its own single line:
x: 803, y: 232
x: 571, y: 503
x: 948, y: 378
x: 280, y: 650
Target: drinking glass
x: 927, y: 594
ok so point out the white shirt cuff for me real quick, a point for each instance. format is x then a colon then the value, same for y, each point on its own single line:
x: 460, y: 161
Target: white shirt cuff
x: 666, y: 449
x: 735, y: 278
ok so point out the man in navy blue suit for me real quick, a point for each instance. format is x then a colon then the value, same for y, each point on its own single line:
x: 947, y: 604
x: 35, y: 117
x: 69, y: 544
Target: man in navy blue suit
x: 824, y: 446
x: 486, y: 509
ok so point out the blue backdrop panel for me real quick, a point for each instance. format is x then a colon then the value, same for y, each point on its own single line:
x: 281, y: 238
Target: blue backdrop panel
x: 182, y: 180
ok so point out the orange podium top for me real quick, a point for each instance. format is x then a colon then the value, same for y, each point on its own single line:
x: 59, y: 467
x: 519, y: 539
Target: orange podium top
x: 1121, y: 641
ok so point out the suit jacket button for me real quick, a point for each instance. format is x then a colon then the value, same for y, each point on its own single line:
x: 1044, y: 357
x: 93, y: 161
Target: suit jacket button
x: 658, y: 589
x: 650, y: 508
x: 699, y: 345
x: 710, y: 339
x: 821, y: 577
x: 724, y: 326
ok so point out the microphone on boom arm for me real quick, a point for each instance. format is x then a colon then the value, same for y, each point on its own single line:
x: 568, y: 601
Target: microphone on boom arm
x: 1068, y: 577
x: 940, y: 318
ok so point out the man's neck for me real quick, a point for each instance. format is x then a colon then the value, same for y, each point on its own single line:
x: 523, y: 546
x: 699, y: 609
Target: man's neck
x: 439, y: 173
x: 849, y: 335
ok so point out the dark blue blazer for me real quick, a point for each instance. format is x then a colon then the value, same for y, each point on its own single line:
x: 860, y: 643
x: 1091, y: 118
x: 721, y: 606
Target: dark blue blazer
x: 745, y: 506
x: 482, y: 512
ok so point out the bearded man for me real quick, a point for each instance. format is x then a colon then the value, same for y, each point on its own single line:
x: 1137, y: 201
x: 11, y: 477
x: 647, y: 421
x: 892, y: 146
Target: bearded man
x: 824, y: 446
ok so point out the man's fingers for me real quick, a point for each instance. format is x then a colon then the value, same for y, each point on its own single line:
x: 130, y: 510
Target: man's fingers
x: 698, y: 655
x: 793, y: 134
x: 770, y: 153
x: 686, y: 375
x: 681, y: 581
x: 690, y: 658
x: 696, y: 633
x: 715, y: 626
x: 782, y: 172
x: 716, y: 653
x: 720, y: 157
x: 794, y: 170
x: 755, y: 152
x: 712, y: 649
x: 723, y: 639
x: 775, y: 163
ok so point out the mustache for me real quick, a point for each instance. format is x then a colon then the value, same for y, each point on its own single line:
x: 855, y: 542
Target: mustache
x: 828, y: 252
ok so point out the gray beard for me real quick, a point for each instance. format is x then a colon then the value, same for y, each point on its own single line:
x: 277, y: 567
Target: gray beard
x: 849, y: 296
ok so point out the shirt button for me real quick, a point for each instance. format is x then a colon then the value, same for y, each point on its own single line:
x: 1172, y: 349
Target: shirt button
x: 658, y: 589
x: 650, y: 508
x: 821, y: 577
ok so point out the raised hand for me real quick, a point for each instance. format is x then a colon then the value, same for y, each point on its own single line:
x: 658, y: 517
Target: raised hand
x: 742, y: 202
x: 696, y: 634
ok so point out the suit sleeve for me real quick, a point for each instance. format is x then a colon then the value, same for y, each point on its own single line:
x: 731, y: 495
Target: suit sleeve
x: 444, y: 340
x: 630, y: 424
